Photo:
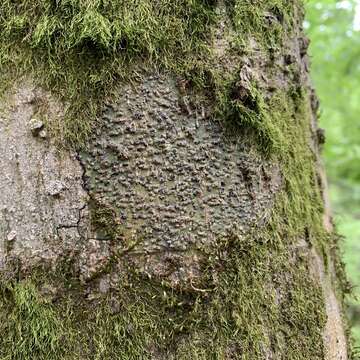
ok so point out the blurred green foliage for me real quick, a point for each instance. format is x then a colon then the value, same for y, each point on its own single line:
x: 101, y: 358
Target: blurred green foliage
x: 334, y: 29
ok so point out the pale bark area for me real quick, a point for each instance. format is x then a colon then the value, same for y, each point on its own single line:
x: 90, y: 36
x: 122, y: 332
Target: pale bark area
x: 42, y: 195
x: 334, y: 333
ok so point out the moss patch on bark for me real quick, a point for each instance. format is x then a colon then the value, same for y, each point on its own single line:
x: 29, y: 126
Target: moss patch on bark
x: 81, y: 50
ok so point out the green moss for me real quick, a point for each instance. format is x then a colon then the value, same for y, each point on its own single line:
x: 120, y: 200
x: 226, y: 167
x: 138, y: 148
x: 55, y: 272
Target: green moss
x: 249, y: 113
x: 30, y: 326
x: 82, y: 50
x: 237, y: 315
x: 266, y: 20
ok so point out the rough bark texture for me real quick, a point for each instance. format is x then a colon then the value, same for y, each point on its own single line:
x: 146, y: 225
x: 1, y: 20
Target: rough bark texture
x: 183, y: 229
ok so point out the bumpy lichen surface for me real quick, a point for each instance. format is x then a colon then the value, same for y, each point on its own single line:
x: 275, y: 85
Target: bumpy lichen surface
x: 178, y: 179
x: 255, y: 296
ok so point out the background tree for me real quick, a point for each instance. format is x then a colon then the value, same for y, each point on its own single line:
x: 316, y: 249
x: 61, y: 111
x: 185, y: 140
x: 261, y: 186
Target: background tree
x: 333, y: 27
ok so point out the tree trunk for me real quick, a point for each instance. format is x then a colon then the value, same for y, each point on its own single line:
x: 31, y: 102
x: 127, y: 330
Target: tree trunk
x: 191, y: 221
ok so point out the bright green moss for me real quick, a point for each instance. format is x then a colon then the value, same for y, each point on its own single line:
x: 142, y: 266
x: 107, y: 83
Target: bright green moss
x: 81, y: 50
x: 30, y: 326
x: 249, y: 113
x: 237, y: 315
x: 265, y: 20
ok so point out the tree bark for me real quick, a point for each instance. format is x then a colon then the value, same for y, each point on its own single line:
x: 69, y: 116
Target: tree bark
x: 194, y: 224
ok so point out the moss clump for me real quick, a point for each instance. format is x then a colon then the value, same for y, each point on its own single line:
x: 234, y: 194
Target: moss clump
x: 81, y: 50
x: 30, y: 326
x: 266, y: 21
x: 237, y: 316
x: 249, y: 112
